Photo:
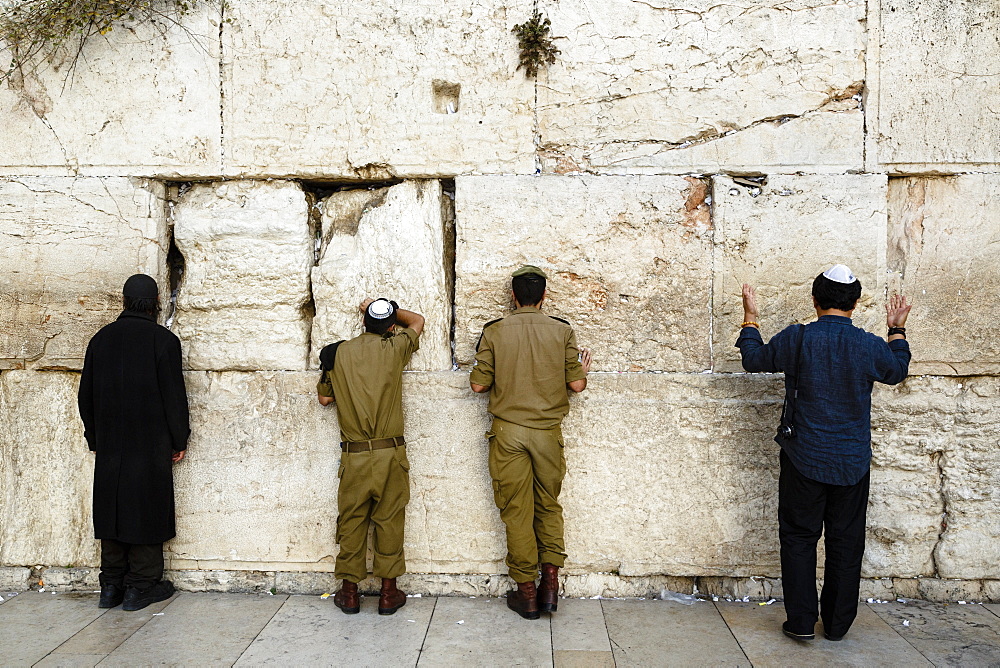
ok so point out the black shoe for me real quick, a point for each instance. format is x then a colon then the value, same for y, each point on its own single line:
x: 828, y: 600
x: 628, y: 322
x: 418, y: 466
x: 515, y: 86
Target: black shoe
x: 137, y: 599
x: 796, y: 636
x: 111, y: 595
x: 833, y: 638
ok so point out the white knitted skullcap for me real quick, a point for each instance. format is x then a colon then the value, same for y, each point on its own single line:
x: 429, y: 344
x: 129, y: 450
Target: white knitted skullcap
x: 839, y: 273
x: 380, y: 309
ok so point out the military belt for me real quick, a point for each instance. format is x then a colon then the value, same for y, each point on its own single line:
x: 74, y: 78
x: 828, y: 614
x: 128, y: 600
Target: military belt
x: 374, y: 444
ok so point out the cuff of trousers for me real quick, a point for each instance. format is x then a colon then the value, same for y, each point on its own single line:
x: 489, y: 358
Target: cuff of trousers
x: 554, y: 558
x: 388, y: 566
x: 350, y: 576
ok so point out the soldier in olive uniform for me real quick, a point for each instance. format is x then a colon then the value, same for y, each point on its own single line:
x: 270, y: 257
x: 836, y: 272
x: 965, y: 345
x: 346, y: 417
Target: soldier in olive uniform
x: 364, y: 376
x: 528, y: 361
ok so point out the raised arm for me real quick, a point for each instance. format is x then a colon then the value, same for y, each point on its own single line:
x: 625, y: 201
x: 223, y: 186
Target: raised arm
x: 409, y: 319
x: 756, y: 355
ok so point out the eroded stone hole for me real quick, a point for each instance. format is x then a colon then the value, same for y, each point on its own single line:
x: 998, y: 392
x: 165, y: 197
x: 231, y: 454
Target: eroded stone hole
x: 446, y: 96
x: 175, y: 259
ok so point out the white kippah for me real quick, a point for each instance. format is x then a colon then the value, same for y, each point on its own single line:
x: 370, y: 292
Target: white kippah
x: 380, y: 309
x: 839, y: 273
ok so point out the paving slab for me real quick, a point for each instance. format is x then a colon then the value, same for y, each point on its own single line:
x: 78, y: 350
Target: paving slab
x: 35, y: 623
x: 102, y: 636
x: 646, y: 633
x: 6, y: 596
x: 572, y: 658
x: 203, y: 629
x: 310, y: 631
x: 994, y: 608
x: 948, y: 635
x: 578, y: 626
x: 71, y: 660
x: 480, y: 632
x: 871, y: 641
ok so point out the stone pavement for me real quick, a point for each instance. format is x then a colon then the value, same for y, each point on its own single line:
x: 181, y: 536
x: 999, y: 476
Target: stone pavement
x: 45, y: 629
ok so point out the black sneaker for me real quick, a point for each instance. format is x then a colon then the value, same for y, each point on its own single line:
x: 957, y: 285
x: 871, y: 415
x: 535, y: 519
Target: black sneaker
x: 137, y: 599
x: 796, y: 636
x: 111, y: 595
x: 832, y: 637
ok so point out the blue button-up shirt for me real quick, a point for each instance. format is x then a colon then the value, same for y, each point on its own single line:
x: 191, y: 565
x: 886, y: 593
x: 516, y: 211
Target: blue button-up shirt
x: 839, y: 365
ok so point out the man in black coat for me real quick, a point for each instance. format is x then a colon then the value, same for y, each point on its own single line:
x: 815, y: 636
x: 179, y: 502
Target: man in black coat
x: 135, y: 416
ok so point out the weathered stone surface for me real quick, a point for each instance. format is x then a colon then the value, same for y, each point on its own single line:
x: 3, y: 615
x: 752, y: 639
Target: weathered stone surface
x: 142, y: 99
x: 933, y: 66
x: 651, y: 86
x: 235, y: 582
x: 607, y: 585
x: 260, y: 451
x: 46, y: 472
x: 257, y: 492
x: 823, y: 141
x: 944, y: 237
x: 912, y: 425
x: 780, y: 236
x: 66, y: 247
x: 364, y: 108
x: 629, y: 262
x: 14, y: 578
x: 688, y: 425
x: 71, y: 579
x: 387, y: 243
x: 970, y: 467
x: 247, y: 253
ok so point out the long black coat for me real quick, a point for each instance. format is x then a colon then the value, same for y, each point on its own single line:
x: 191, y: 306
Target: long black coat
x: 135, y: 415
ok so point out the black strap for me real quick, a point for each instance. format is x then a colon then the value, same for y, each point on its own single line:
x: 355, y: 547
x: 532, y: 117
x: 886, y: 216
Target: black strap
x: 328, y: 355
x: 788, y: 408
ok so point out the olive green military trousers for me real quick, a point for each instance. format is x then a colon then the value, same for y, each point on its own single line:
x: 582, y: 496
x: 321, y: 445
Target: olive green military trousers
x: 374, y: 489
x: 527, y: 467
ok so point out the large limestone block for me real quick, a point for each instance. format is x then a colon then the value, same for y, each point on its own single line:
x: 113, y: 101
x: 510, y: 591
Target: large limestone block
x: 46, y: 472
x: 260, y: 481
x: 944, y: 237
x: 247, y: 251
x: 824, y: 141
x: 142, y: 99
x: 668, y: 87
x: 66, y: 247
x: 387, y: 243
x: 970, y: 544
x: 780, y: 236
x: 629, y: 261
x: 398, y: 88
x: 912, y: 427
x: 673, y: 474
x: 935, y: 97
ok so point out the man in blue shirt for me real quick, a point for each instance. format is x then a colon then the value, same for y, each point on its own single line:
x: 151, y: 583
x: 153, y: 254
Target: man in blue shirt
x: 830, y: 367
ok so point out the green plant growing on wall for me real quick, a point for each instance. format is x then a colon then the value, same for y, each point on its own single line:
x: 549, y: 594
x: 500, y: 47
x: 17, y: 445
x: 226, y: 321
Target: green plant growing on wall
x: 536, y: 46
x: 31, y: 29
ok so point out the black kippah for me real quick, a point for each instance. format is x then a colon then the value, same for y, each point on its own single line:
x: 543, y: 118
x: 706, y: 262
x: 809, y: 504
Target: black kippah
x: 140, y: 286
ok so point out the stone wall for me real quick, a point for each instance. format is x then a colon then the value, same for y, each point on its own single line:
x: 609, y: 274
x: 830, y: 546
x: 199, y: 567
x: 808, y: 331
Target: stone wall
x: 273, y: 163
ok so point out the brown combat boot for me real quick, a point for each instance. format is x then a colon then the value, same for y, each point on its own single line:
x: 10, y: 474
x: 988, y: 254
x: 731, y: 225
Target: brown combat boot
x: 548, y: 590
x: 390, y: 599
x: 347, y: 598
x: 524, y: 600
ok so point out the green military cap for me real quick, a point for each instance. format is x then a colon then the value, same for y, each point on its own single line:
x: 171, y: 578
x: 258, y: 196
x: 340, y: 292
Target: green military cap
x: 529, y: 269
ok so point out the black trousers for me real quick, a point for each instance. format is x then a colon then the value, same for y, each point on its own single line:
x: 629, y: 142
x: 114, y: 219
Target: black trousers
x: 807, y: 508
x: 139, y: 566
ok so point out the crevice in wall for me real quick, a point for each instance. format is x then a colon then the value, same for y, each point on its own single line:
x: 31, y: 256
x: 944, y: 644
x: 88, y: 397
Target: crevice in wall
x: 175, y: 259
x: 222, y: 91
x: 937, y: 458
x: 448, y: 259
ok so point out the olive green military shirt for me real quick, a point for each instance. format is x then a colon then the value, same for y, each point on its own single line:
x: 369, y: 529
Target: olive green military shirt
x: 367, y: 384
x: 526, y: 359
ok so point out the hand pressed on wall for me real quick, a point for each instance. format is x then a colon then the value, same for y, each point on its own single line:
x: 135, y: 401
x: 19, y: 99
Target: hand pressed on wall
x: 896, y: 311
x: 750, y: 312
